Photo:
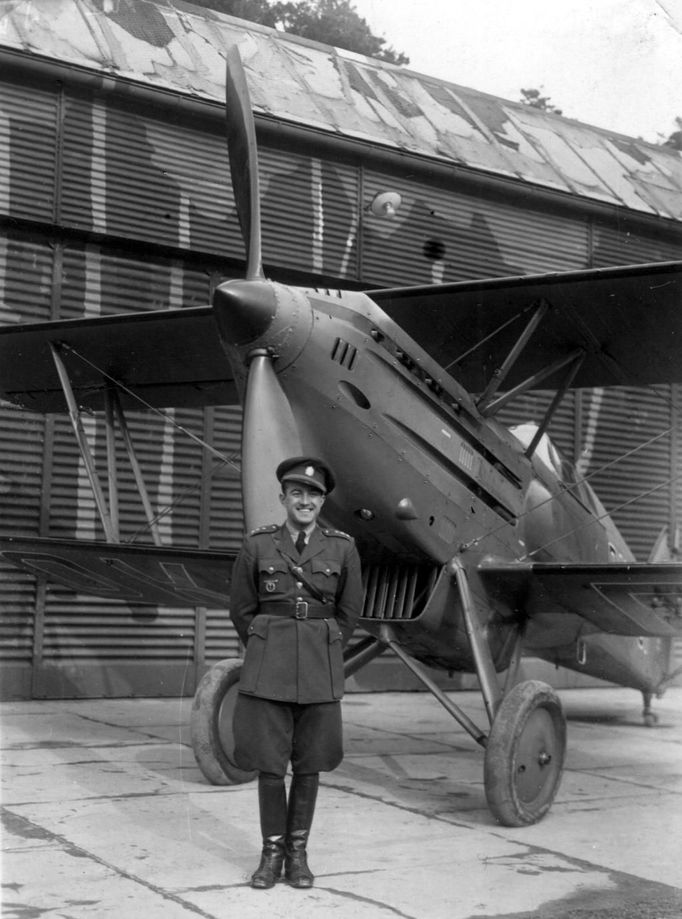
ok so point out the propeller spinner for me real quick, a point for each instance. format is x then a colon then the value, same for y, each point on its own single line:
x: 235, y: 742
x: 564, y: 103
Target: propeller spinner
x: 246, y: 309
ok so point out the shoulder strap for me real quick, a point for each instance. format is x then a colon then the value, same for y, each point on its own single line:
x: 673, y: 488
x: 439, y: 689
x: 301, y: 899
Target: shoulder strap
x: 270, y: 528
x: 298, y: 573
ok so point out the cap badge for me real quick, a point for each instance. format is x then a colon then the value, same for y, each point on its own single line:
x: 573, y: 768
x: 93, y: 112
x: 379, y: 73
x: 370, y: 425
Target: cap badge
x: 310, y: 470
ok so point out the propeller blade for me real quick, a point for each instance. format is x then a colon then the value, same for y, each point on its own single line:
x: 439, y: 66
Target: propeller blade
x: 269, y: 435
x: 243, y: 154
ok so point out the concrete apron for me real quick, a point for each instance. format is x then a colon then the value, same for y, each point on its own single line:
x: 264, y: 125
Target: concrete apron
x: 106, y: 815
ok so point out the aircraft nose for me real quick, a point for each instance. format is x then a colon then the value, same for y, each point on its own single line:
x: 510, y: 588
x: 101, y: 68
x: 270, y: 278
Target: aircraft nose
x: 244, y: 310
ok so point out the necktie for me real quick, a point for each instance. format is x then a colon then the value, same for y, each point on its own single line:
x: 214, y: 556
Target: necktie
x: 300, y: 541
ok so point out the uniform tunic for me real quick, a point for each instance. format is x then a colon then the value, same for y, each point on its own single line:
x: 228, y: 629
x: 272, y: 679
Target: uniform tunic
x: 295, y: 664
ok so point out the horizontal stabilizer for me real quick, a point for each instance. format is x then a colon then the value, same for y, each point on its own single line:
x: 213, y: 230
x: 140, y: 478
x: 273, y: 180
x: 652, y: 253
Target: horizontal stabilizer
x: 621, y: 599
x: 627, y: 320
x: 135, y: 574
x: 166, y: 357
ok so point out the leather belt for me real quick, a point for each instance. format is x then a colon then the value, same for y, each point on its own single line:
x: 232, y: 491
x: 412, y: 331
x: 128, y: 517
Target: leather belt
x: 298, y: 609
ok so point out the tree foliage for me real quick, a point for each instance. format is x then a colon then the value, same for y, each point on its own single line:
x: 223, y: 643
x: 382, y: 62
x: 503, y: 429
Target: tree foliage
x: 334, y: 22
x: 535, y: 99
x: 254, y: 10
x: 675, y: 139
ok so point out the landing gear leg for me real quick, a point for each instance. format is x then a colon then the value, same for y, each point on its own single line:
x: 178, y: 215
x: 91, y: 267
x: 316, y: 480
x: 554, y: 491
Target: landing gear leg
x: 650, y: 717
x: 524, y: 752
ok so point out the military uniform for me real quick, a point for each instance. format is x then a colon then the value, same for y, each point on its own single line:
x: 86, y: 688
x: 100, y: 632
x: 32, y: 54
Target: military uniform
x: 294, y: 638
x: 294, y: 609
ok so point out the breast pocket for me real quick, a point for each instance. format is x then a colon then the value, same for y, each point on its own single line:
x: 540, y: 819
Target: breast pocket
x: 326, y: 576
x: 272, y: 578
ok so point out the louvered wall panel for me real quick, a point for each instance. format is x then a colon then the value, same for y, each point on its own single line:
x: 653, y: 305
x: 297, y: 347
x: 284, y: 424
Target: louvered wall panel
x: 83, y: 188
x: 28, y: 131
x: 26, y: 284
x: 17, y: 615
x: 627, y: 246
x: 72, y: 511
x: 21, y: 466
x: 336, y: 190
x: 629, y: 458
x: 96, y: 281
x: 225, y: 519
x: 148, y: 175
x: 21, y: 461
x: 85, y: 629
x: 82, y: 628
x: 289, y: 219
x: 179, y: 477
x: 444, y: 235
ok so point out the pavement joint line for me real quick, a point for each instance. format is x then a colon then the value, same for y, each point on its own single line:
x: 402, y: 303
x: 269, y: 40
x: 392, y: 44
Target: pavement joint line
x: 71, y: 848
x: 582, y: 864
x: 398, y: 806
x: 165, y: 793
x: 377, y: 904
x: 623, y: 780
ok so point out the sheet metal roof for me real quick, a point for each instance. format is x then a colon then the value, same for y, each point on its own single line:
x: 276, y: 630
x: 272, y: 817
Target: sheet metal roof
x: 173, y: 45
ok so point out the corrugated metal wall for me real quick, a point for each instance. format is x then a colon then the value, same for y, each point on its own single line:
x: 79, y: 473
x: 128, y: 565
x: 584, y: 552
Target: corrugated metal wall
x: 116, y: 206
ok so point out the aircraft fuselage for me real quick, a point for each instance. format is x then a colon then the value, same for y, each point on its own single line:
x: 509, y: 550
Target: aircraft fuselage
x: 422, y: 475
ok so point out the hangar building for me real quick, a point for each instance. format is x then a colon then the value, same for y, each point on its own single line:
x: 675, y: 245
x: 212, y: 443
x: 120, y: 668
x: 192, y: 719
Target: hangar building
x: 115, y: 196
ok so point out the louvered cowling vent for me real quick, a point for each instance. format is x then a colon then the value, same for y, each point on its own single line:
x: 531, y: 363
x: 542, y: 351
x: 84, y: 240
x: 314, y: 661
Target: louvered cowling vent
x: 397, y: 591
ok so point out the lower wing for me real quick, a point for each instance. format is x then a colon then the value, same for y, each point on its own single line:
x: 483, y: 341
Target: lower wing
x: 130, y: 573
x: 622, y: 599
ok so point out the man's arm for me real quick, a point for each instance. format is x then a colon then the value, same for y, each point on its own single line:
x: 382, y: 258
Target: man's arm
x: 350, y: 597
x: 243, y: 592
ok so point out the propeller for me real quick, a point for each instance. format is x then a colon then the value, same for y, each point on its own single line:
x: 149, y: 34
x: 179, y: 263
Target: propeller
x: 245, y: 310
x: 243, y: 154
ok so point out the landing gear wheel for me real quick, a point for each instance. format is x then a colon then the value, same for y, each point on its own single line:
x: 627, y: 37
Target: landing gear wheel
x: 211, y: 724
x: 525, y: 754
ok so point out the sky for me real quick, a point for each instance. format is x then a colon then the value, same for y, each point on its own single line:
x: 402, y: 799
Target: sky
x: 616, y: 64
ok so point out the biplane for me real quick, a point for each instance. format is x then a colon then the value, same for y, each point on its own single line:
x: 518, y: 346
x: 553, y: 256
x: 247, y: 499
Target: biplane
x: 480, y: 543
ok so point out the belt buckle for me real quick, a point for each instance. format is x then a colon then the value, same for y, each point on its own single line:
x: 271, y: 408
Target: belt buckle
x: 301, y: 609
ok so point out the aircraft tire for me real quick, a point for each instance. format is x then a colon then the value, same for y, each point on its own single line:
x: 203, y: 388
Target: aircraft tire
x: 211, y: 724
x: 525, y: 754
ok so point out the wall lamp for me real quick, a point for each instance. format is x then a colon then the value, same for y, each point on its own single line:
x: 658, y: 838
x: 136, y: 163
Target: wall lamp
x: 385, y: 204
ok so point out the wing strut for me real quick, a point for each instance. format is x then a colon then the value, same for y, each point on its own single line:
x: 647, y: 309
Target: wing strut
x: 573, y: 367
x: 108, y: 511
x: 501, y: 374
x: 135, y: 466
x: 110, y: 530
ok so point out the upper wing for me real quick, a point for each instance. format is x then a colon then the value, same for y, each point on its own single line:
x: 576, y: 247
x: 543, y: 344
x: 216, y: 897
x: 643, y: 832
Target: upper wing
x: 623, y: 599
x: 131, y: 573
x: 627, y: 319
x: 166, y: 357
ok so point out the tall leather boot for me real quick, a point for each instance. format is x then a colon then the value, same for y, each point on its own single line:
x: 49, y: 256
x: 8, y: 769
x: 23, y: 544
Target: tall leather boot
x: 302, y: 798
x: 272, y: 804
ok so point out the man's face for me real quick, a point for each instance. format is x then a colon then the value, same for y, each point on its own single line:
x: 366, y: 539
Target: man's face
x: 301, y: 503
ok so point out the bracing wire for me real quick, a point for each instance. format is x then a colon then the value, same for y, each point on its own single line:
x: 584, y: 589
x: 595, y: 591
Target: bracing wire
x: 604, y: 516
x: 575, y: 485
x: 224, y: 460
x: 153, y: 408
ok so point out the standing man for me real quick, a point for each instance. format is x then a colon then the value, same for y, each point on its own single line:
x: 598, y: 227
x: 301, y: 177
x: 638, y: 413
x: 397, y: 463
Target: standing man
x: 296, y: 597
